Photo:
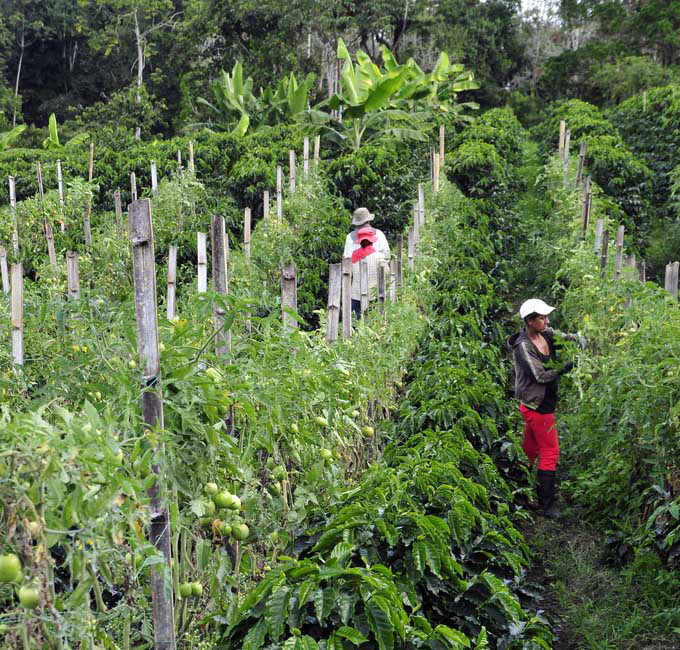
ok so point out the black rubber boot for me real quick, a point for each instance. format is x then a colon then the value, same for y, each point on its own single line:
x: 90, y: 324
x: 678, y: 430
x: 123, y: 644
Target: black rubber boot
x: 546, y: 494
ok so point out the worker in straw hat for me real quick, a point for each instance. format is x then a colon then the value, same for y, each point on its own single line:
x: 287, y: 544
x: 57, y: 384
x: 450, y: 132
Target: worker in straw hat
x: 361, y: 219
x: 534, y: 351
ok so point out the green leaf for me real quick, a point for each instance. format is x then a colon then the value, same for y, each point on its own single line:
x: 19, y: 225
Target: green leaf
x: 380, y: 625
x: 242, y: 126
x: 351, y: 634
x: 256, y: 636
x: 342, y: 52
x: 457, y: 640
x: 482, y: 642
x: 276, y: 611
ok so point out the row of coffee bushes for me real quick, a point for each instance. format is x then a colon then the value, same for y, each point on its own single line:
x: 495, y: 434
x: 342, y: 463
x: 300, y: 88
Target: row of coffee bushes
x: 423, y: 549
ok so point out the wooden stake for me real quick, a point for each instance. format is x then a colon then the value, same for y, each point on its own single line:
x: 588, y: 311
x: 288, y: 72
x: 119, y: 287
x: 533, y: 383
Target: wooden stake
x: 581, y: 161
x: 334, y: 292
x: 291, y: 165
x: 363, y: 285
x: 400, y: 254
x: 220, y: 274
x: 87, y: 230
x: 265, y: 206
x: 172, y: 281
x: 154, y: 178
x: 90, y: 169
x: 603, y: 257
x: 675, y: 267
x: 41, y: 189
x: 246, y: 233
x: 144, y: 274
x: 416, y: 222
x: 279, y: 193
x: 393, y: 280
x: 192, y: 168
x: 305, y: 158
x: 346, y: 297
x: 563, y: 133
x: 4, y: 271
x: 442, y: 141
x: 51, y: 253
x: 644, y: 101
x: 432, y: 164
x: 289, y: 297
x: 72, y: 276
x: 60, y: 181
x: 567, y: 148
x: 133, y: 186
x: 317, y: 150
x: 381, y: 288
x: 17, y: 314
x: 643, y: 271
x: 599, y: 227
x: 15, y: 220
x: 667, y: 278
x: 421, y: 204
x: 435, y: 182
x: 619, y: 252
x: 411, y: 247
x: 118, y: 207
x: 202, y: 262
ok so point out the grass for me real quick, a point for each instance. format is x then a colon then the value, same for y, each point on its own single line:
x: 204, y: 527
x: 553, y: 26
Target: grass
x: 599, y: 606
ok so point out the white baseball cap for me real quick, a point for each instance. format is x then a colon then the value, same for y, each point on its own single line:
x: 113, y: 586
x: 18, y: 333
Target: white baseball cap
x: 534, y: 306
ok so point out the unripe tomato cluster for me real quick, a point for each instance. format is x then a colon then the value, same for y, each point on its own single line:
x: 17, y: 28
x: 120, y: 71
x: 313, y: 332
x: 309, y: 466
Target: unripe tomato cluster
x: 229, y: 504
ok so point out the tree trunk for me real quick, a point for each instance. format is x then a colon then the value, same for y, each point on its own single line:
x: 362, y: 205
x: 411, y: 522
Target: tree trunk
x: 16, y: 85
x: 140, y: 68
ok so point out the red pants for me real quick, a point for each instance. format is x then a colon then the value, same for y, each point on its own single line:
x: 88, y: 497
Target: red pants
x: 540, y: 438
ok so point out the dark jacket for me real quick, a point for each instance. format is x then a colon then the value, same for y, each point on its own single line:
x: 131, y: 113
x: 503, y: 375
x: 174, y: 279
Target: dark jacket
x: 531, y: 376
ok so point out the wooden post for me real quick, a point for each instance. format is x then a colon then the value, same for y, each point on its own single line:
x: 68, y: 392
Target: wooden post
x: 317, y: 150
x: 363, y: 285
x: 279, y: 193
x: 90, y: 169
x: 563, y: 133
x: 4, y: 273
x: 202, y: 262
x: 442, y: 140
x: 675, y: 267
x: 667, y: 278
x: 87, y: 230
x: 291, y: 165
x: 289, y: 296
x: 41, y: 189
x: 603, y: 257
x: 644, y: 101
x: 581, y: 161
x: 435, y: 182
x: 432, y: 164
x: 619, y: 252
x: 192, y: 168
x: 585, y: 206
x: 599, y: 227
x: 172, y: 281
x: 643, y: 271
x: 565, y: 163
x: 15, y: 220
x: 118, y: 206
x: 154, y: 178
x: 400, y: 254
x: 220, y: 274
x: 416, y: 222
x: 51, y: 253
x: 381, y: 288
x: 265, y: 206
x: 334, y: 292
x: 411, y: 246
x: 60, y: 182
x: 305, y: 158
x: 17, y: 314
x: 421, y: 204
x: 346, y: 297
x: 133, y: 186
x: 630, y: 261
x: 179, y: 161
x: 72, y: 276
x: 393, y: 280
x: 246, y: 233
x: 144, y: 274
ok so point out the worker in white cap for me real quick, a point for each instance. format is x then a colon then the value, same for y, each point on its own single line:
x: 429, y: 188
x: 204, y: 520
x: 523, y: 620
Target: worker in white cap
x: 536, y: 389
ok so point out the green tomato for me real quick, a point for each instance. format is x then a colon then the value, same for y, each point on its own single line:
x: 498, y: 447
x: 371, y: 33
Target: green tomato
x: 326, y: 454
x: 271, y: 463
x: 294, y: 428
x: 29, y: 597
x: 279, y: 473
x: 10, y: 567
x: 196, y: 589
x: 211, y: 488
x: 185, y: 590
x: 236, y: 503
x: 322, y: 422
x: 208, y: 508
x: 368, y: 431
x: 225, y: 529
x: 223, y: 499
x: 274, y: 489
x: 240, y: 532
x: 214, y: 374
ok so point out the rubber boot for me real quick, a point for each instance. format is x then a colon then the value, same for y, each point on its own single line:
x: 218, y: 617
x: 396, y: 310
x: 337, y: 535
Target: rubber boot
x: 546, y: 494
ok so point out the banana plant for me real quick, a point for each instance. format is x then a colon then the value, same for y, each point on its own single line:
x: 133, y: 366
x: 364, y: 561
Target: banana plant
x: 288, y: 101
x: 8, y: 137
x: 52, y: 142
x: 234, y: 101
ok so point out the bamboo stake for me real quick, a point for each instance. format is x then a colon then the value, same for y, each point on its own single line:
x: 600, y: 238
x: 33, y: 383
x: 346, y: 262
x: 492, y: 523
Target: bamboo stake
x: 400, y: 254
x: 421, y: 204
x: 436, y: 173
x: 117, y: 204
x: 603, y: 257
x: 581, y: 161
x: 346, y: 297
x: 154, y: 178
x: 363, y: 284
x: 305, y: 158
x: 144, y: 274
x: 41, y: 189
x: 393, y: 280
x: 599, y: 227
x: 411, y: 247
x: 442, y: 141
x: 334, y: 290
x: 246, y: 233
x: 133, y: 186
x: 619, y: 252
x: 643, y: 271
x: 72, y: 275
x: 90, y: 169
x: 220, y: 274
x: 60, y: 181
x: 202, y: 262
x: 17, y: 314
x: 291, y: 165
x: 667, y: 278
x: 279, y: 193
x: 265, y: 206
x: 172, y: 281
x: 563, y: 133
x: 87, y: 230
x: 567, y: 148
x: 675, y: 268
x: 381, y: 288
x: 416, y: 222
x: 432, y: 164
x: 192, y: 167
x: 51, y: 252
x: 289, y: 297
x: 15, y: 220
x: 317, y: 150
x: 4, y: 271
